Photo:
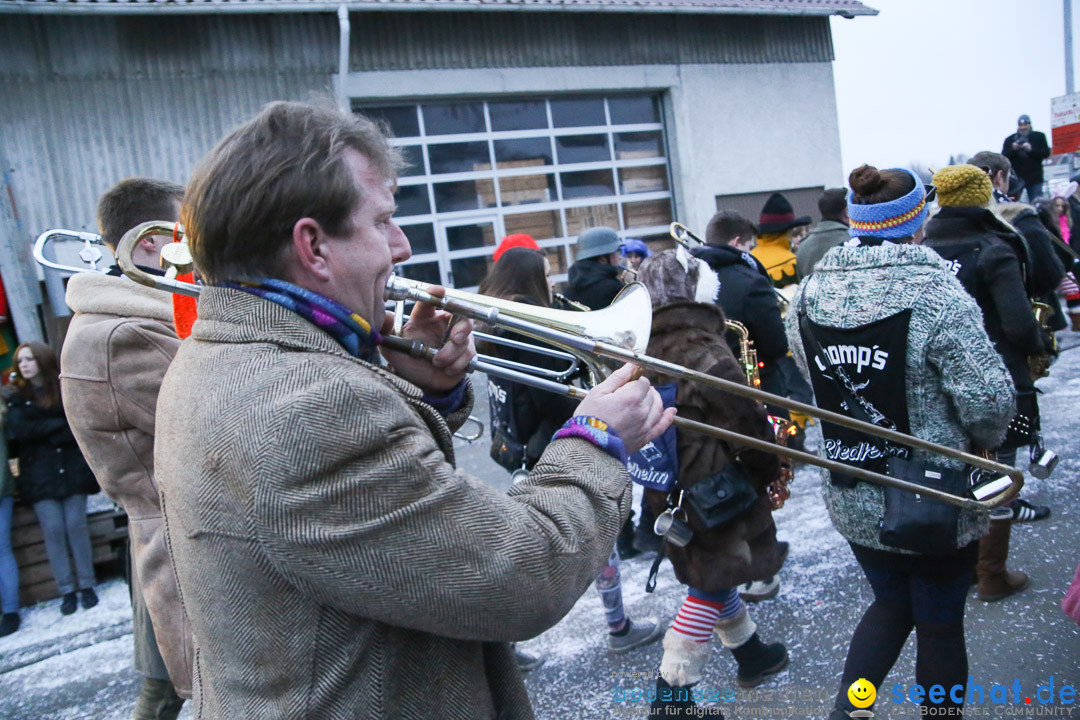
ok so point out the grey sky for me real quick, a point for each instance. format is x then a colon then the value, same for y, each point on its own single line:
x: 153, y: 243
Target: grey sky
x: 925, y: 79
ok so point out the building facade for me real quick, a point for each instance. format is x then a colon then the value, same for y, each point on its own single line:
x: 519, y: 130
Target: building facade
x: 541, y: 117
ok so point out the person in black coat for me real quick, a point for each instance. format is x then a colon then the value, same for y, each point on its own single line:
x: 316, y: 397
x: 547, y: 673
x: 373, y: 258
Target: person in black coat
x: 594, y: 278
x: 990, y: 260
x: 1026, y: 149
x: 747, y: 296
x: 53, y: 476
x: 523, y: 420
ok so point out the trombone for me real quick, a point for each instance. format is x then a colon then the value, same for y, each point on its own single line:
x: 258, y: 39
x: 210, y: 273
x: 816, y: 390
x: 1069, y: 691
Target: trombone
x: 593, y: 337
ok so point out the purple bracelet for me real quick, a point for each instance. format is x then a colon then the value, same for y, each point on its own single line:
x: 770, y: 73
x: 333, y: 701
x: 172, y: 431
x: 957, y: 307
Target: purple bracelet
x: 596, y: 431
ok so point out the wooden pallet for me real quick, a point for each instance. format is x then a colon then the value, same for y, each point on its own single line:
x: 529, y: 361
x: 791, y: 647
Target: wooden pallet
x: 108, y: 540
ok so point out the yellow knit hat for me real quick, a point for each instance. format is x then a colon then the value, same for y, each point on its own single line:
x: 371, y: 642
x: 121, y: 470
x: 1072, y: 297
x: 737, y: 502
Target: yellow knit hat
x: 963, y: 186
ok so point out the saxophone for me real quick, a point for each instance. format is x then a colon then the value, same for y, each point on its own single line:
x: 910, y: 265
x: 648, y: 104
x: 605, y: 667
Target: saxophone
x: 1040, y: 364
x: 747, y: 354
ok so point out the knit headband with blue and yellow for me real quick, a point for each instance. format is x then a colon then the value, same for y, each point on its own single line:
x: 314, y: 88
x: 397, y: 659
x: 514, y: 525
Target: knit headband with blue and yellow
x: 894, y: 219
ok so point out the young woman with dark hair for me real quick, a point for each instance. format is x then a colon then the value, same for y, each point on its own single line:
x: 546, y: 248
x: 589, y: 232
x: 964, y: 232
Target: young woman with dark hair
x: 53, y: 476
x: 934, y: 374
x: 523, y: 419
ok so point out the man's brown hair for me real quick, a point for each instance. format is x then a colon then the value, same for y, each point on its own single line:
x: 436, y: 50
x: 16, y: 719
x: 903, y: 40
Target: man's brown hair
x: 833, y: 204
x: 285, y: 164
x: 727, y: 225
x: 134, y: 201
x: 991, y: 162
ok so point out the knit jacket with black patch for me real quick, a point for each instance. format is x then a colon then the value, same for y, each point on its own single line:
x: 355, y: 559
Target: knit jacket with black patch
x: 958, y: 391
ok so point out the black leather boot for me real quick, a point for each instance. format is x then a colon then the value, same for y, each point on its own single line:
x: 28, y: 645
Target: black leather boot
x: 757, y: 661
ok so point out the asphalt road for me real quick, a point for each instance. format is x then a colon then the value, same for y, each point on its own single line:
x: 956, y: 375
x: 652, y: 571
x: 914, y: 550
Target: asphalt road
x: 1025, y: 639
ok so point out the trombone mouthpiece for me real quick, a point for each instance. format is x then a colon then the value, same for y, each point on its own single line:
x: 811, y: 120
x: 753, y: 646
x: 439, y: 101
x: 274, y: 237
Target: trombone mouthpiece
x: 397, y: 289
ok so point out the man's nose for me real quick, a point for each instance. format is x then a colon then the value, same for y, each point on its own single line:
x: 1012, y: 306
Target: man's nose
x: 400, y: 250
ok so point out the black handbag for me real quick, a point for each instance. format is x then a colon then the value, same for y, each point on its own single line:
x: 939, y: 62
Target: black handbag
x: 721, y: 497
x: 911, y: 521
x: 914, y: 522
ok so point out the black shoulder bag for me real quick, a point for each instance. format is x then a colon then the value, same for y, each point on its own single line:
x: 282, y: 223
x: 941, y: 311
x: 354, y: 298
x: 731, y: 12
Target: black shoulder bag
x: 911, y: 521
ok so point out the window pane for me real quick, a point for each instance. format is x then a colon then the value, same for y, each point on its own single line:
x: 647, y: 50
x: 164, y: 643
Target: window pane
x: 647, y: 214
x: 459, y: 157
x: 527, y: 189
x: 651, y: 178
x: 539, y: 225
x: 424, y: 272
x: 452, y: 118
x: 401, y: 118
x: 557, y: 259
x: 589, y: 183
x: 412, y: 200
x: 523, y: 153
x: 638, y: 145
x: 464, y: 195
x: 469, y: 272
x: 626, y: 110
x: 578, y: 112
x: 578, y: 220
x: 463, y: 237
x: 421, y: 238
x: 414, y: 160
x: 525, y: 115
x: 582, y: 148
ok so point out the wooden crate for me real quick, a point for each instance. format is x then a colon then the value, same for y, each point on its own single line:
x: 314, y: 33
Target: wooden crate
x: 537, y: 225
x: 108, y: 541
x: 580, y: 219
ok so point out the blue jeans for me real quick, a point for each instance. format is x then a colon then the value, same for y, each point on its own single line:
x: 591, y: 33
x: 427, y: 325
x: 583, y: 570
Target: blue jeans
x: 9, y: 569
x: 64, y: 524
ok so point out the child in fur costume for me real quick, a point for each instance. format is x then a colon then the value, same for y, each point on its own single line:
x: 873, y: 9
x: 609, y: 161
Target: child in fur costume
x: 688, y: 329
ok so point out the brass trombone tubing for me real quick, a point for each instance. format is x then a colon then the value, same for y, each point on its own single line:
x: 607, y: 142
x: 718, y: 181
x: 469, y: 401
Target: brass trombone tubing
x: 88, y: 239
x: 398, y: 289
x: 419, y: 350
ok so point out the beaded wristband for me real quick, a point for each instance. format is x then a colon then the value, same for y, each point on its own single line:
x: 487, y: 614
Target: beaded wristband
x: 449, y: 403
x: 596, y: 431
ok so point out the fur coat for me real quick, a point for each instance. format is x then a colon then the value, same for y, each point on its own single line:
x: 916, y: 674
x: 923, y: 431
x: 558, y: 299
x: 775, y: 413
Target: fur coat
x: 692, y: 334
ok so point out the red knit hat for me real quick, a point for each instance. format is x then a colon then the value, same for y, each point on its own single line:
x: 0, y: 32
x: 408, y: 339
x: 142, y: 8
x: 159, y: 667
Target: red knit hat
x: 513, y: 241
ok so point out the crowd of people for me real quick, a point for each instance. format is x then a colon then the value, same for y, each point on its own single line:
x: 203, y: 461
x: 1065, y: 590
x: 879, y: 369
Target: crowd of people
x: 304, y: 545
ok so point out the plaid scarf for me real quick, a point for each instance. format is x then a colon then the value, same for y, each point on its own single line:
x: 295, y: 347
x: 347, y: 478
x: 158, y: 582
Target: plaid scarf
x: 352, y: 331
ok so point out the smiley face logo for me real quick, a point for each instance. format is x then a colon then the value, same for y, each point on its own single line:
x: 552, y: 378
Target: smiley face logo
x: 862, y: 693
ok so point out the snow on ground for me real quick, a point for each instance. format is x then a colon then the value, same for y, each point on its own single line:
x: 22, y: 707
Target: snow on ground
x: 79, y: 666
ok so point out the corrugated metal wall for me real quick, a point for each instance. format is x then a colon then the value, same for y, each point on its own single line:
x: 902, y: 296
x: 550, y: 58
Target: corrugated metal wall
x: 409, y: 41
x: 88, y: 100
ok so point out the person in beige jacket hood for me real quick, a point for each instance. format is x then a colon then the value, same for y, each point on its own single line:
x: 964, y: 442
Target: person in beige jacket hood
x: 116, y: 352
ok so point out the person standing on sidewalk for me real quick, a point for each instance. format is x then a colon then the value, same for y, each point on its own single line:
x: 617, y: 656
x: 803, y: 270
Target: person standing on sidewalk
x: 9, y: 569
x: 53, y: 476
x: 118, y: 347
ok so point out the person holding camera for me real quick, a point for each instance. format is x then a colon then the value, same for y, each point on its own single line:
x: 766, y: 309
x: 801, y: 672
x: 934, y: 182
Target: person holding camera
x: 882, y: 318
x: 1026, y: 149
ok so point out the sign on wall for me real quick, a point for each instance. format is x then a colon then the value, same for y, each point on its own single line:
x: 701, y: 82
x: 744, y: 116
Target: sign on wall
x: 1065, y: 123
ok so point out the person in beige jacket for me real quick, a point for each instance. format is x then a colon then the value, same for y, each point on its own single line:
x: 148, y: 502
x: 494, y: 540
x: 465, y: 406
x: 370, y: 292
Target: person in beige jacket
x: 332, y: 559
x: 118, y: 346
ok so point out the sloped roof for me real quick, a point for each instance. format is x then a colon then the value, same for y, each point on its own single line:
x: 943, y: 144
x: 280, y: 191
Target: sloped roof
x: 844, y: 8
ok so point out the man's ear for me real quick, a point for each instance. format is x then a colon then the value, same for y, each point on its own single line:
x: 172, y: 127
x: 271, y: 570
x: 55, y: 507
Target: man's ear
x: 309, y: 244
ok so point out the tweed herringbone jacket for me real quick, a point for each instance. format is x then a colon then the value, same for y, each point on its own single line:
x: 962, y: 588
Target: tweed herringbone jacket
x: 958, y: 391
x: 117, y: 349
x: 333, y: 562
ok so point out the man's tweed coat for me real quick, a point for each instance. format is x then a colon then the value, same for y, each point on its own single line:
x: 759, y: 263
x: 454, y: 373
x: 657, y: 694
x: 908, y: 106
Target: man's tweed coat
x: 958, y: 390
x: 333, y: 562
x: 117, y: 349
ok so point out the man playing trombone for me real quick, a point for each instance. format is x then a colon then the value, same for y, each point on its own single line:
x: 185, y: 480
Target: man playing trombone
x: 333, y: 561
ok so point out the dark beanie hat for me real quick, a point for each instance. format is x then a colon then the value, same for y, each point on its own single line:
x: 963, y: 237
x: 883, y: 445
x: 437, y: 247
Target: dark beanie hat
x: 778, y: 216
